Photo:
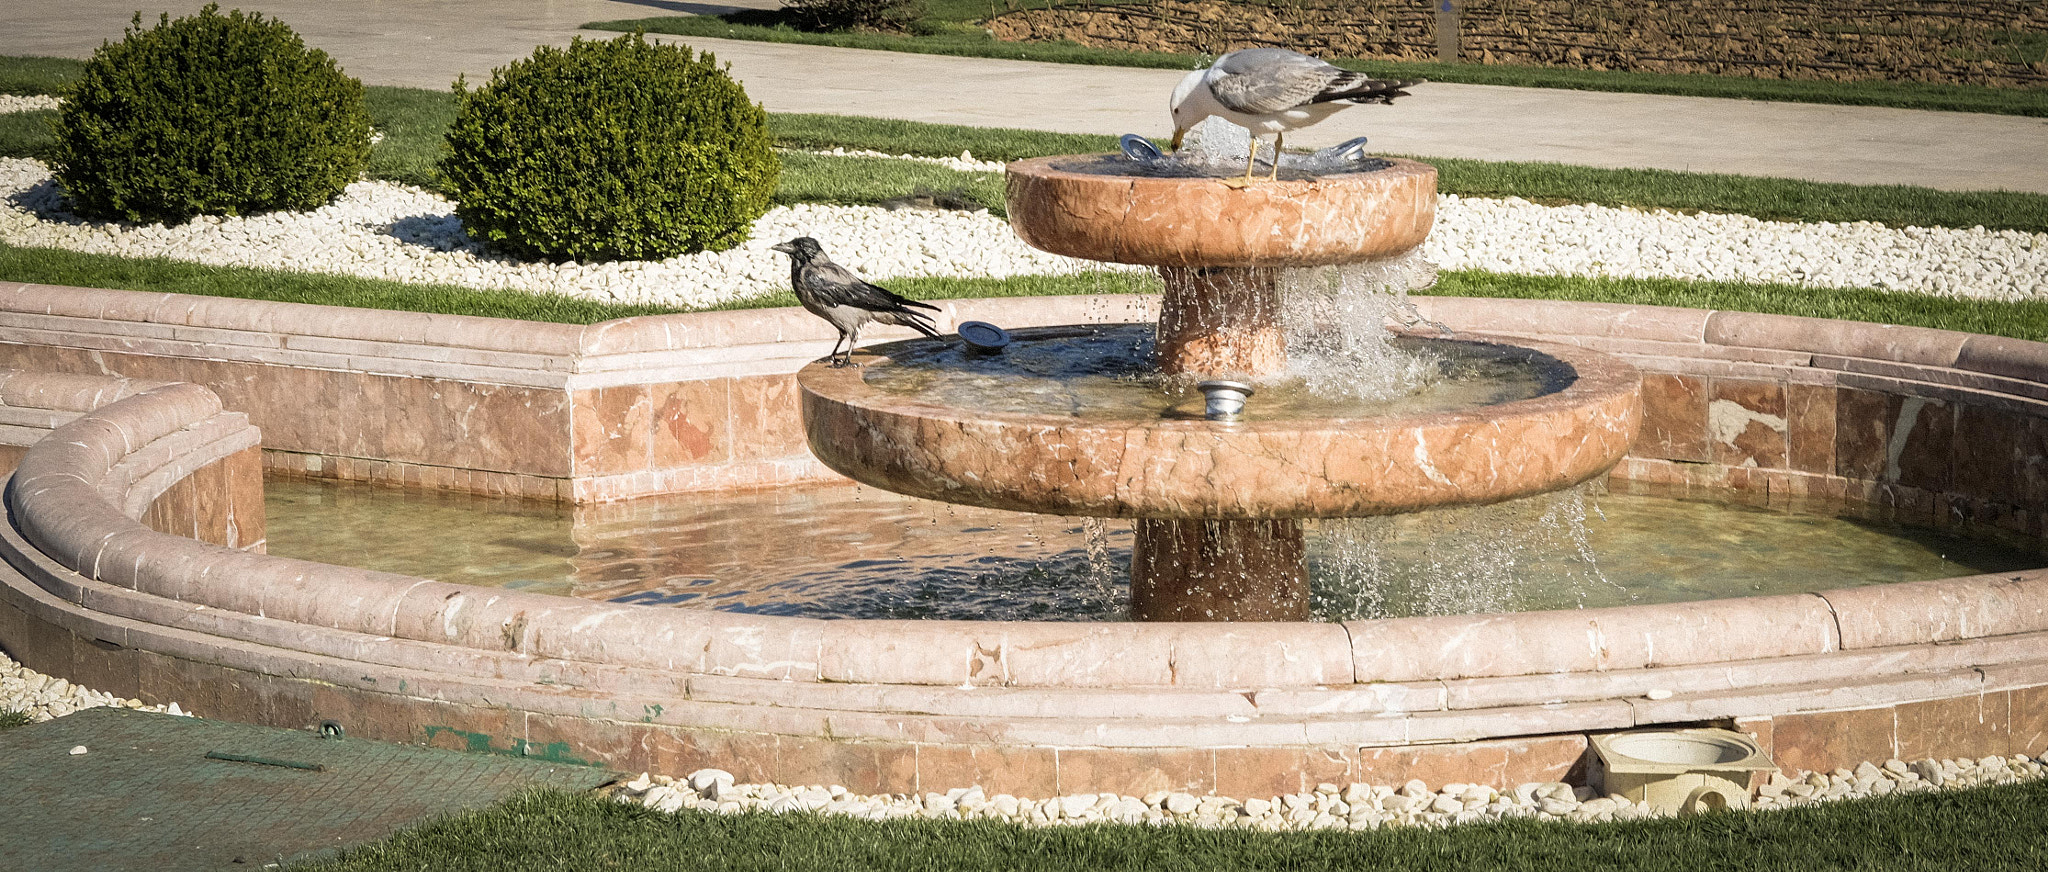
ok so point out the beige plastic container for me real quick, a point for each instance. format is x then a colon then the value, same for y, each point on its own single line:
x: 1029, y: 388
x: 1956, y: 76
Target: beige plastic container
x: 1679, y: 771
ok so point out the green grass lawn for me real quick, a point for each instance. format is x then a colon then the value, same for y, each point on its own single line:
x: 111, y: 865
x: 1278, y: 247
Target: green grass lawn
x: 2021, y: 320
x: 1983, y: 830
x: 25, y: 76
x: 956, y: 35
x: 52, y: 266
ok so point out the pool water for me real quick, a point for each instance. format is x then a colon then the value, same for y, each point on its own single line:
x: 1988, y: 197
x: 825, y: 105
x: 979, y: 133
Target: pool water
x: 1107, y: 373
x: 850, y: 551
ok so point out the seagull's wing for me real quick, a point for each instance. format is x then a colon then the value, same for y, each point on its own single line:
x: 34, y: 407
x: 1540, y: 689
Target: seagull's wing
x: 1264, y: 81
x: 836, y: 285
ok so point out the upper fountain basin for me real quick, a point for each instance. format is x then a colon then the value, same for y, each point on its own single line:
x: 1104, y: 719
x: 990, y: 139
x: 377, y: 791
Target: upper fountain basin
x: 1069, y: 205
x: 1294, y: 467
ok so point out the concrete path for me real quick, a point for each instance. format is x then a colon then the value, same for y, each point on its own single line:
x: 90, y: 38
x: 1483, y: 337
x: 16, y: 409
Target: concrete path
x: 171, y: 794
x: 426, y: 43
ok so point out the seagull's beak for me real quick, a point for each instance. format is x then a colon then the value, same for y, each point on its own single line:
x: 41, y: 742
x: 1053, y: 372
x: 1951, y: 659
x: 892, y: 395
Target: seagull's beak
x: 1179, y: 133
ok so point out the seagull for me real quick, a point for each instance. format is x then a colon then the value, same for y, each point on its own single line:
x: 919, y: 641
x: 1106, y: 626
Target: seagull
x: 1273, y: 90
x: 834, y: 293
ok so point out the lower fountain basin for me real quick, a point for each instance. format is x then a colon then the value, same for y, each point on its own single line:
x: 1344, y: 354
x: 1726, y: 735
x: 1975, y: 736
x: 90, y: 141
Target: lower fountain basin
x: 1321, y: 466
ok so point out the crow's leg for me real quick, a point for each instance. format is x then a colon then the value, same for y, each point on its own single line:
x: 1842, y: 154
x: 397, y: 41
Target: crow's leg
x: 833, y: 358
x: 852, y: 339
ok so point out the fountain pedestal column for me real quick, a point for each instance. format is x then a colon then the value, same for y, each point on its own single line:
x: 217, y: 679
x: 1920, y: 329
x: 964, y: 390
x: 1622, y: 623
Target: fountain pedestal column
x: 1217, y: 322
x: 1220, y: 322
x: 1183, y: 570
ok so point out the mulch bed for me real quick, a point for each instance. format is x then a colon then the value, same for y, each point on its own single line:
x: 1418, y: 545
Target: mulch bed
x: 1998, y: 43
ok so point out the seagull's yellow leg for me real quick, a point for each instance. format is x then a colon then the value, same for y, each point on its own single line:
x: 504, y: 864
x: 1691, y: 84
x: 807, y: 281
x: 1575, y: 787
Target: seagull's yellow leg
x: 1251, y: 160
x: 1278, y: 138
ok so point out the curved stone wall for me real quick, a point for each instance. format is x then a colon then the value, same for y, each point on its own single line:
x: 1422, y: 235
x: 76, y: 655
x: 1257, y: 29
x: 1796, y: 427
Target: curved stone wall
x: 1941, y: 428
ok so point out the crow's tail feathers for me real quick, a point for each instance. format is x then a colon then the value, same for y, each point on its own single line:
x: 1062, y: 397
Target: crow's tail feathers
x: 918, y: 321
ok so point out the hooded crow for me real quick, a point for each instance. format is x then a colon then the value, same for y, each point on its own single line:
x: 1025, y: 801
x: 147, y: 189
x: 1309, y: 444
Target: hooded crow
x: 834, y: 293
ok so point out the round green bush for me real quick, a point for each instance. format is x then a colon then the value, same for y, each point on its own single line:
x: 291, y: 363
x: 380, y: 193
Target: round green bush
x: 610, y: 150
x: 209, y: 115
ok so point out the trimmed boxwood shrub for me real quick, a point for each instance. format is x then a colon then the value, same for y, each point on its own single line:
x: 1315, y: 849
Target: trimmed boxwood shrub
x: 209, y: 115
x: 610, y: 150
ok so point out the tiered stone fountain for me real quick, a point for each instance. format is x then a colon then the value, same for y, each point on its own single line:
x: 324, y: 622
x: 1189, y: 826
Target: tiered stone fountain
x: 1219, y: 504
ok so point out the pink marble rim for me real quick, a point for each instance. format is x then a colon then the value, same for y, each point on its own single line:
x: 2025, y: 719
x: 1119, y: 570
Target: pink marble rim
x: 1331, y: 468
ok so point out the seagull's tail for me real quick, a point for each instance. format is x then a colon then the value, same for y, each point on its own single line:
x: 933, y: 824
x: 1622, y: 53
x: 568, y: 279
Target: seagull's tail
x: 1361, y: 88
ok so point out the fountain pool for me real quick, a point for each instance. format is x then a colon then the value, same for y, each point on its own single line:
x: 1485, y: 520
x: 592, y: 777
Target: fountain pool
x: 848, y: 551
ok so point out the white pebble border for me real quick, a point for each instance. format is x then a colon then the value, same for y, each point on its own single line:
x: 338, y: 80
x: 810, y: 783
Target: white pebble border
x: 389, y: 231
x: 964, y: 163
x: 42, y: 697
x: 12, y: 103
x: 1329, y: 807
x: 401, y: 233
x: 1517, y: 236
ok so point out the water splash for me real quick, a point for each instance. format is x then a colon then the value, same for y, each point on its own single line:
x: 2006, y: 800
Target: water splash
x: 1216, y: 149
x: 1214, y: 144
x: 1337, y: 322
x: 1526, y: 554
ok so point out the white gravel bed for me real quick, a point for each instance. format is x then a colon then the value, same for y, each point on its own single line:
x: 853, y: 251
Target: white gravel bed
x: 966, y: 162
x: 1517, y: 236
x: 12, y: 103
x: 389, y: 231
x: 25, y: 690
x: 1329, y: 807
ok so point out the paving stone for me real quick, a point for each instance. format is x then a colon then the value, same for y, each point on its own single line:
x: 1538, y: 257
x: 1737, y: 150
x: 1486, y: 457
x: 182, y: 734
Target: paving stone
x: 167, y: 793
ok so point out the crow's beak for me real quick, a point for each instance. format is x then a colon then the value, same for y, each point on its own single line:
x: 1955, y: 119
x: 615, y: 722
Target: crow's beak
x: 782, y: 247
x: 1179, y: 133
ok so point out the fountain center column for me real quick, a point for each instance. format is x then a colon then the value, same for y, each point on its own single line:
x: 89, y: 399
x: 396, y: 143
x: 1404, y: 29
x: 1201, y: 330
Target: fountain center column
x: 1217, y: 322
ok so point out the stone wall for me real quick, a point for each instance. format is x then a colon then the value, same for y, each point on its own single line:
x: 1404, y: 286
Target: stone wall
x: 218, y: 500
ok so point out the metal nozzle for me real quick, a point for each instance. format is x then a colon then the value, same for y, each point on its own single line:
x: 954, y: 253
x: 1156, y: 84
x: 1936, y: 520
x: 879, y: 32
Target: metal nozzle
x: 1225, y: 398
x: 1139, y: 148
x: 1346, y: 151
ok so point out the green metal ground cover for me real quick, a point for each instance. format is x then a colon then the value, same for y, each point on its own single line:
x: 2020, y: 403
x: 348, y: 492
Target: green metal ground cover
x: 162, y: 793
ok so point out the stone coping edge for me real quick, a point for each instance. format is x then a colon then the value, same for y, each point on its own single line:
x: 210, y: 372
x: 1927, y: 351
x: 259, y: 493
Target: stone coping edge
x: 711, y: 344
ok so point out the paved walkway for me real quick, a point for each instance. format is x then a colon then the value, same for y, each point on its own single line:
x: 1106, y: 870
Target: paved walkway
x: 170, y: 794
x: 426, y: 43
